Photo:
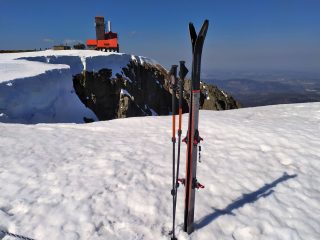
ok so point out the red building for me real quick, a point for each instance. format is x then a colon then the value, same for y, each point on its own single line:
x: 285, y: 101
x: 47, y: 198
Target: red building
x: 105, y: 41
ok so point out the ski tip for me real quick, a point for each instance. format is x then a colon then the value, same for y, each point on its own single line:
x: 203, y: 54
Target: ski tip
x: 204, y: 29
x: 206, y: 23
x: 192, y: 31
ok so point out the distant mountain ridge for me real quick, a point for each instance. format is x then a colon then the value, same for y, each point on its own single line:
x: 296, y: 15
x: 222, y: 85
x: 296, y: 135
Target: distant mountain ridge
x: 252, y: 93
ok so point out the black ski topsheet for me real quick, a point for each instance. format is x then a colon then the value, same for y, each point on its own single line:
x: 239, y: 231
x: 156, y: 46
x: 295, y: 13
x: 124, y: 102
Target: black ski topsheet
x: 193, y: 35
x: 197, y: 52
x: 190, y: 181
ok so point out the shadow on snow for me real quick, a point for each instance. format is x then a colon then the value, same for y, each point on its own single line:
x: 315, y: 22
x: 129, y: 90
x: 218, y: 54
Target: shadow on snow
x: 264, y: 191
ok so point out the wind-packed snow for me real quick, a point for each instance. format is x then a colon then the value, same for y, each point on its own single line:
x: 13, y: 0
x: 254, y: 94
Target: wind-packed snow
x: 11, y: 70
x: 112, y: 180
x: 37, y: 87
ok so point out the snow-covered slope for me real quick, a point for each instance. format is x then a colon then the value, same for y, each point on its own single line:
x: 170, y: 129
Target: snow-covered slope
x: 37, y: 86
x: 112, y: 180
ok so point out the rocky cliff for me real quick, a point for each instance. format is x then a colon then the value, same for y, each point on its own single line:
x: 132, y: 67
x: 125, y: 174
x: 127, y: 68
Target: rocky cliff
x: 72, y: 86
x: 140, y: 89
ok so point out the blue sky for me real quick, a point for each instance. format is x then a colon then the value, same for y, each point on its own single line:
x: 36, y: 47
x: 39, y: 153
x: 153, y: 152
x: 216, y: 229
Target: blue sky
x: 246, y: 35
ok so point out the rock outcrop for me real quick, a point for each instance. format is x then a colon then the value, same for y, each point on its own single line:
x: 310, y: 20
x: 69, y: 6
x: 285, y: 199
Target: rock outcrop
x: 139, y: 90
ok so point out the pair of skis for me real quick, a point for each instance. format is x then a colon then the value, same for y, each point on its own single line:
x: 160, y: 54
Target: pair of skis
x: 193, y: 138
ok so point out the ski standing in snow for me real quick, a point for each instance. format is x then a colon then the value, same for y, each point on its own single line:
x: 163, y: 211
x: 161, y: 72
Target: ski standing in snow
x: 193, y: 138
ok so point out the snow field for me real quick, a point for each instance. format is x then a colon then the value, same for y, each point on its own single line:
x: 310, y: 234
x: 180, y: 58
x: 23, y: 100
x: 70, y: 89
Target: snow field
x: 112, y: 180
x: 37, y: 87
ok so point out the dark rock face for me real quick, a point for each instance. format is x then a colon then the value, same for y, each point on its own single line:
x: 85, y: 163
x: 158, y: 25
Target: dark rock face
x: 140, y: 90
x: 213, y: 98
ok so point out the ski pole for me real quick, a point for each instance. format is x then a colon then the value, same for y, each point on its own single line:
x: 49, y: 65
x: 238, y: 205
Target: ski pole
x: 173, y: 78
x: 182, y: 74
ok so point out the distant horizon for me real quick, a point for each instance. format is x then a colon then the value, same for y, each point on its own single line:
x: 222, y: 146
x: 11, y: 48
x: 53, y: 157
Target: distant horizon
x: 246, y: 36
x: 259, y: 74
x: 225, y: 74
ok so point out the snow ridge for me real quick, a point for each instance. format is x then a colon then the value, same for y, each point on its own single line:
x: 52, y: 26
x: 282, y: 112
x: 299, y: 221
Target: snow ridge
x: 37, y: 87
